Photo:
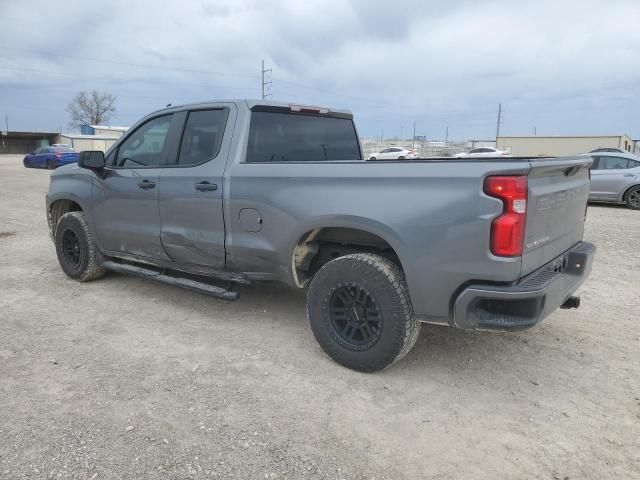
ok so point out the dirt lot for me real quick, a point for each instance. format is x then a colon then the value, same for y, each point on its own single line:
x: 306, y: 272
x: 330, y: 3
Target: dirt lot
x: 127, y: 378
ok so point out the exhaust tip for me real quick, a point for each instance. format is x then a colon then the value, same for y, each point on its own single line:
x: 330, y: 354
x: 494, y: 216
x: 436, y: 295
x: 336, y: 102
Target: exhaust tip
x: 571, y: 302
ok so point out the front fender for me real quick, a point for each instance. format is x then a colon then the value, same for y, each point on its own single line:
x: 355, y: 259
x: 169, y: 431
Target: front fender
x: 73, y: 184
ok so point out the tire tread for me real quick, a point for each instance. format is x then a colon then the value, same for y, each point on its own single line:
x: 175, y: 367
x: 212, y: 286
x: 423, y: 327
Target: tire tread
x: 392, y: 277
x: 93, y: 270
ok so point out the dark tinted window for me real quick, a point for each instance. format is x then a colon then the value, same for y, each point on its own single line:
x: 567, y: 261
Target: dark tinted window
x: 202, y: 136
x: 145, y: 146
x: 633, y: 164
x: 283, y: 137
x: 611, y: 163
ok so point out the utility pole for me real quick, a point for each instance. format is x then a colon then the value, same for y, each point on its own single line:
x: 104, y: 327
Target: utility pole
x: 413, y: 142
x: 535, y: 131
x: 6, y: 121
x: 265, y: 83
x: 446, y: 137
x: 499, y: 122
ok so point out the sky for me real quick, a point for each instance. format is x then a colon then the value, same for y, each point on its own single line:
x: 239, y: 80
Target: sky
x: 557, y: 67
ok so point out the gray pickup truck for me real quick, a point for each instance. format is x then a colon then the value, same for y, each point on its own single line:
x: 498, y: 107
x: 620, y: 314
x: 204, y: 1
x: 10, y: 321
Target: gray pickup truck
x: 242, y: 191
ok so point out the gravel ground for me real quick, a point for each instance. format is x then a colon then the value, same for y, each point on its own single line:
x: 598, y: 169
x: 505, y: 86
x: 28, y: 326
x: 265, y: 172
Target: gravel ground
x: 127, y: 378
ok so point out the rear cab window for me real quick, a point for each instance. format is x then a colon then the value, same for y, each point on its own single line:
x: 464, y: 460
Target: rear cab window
x: 280, y: 136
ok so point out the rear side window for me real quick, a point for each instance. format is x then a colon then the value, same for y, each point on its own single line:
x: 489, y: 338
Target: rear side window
x: 202, y: 136
x: 633, y: 164
x: 285, y: 137
x: 611, y: 163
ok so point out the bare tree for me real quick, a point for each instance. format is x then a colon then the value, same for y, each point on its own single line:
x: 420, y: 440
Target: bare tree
x: 93, y: 108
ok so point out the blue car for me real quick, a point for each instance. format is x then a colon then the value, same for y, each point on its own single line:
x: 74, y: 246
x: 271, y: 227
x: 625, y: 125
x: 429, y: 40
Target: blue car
x: 51, y: 157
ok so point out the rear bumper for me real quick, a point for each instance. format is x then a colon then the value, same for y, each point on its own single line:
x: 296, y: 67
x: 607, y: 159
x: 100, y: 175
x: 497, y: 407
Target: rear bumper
x: 524, y: 304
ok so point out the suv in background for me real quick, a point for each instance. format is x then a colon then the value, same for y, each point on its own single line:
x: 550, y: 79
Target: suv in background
x: 615, y: 178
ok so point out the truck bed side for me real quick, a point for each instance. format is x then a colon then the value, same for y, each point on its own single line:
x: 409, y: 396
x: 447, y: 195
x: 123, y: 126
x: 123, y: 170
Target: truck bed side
x: 434, y: 214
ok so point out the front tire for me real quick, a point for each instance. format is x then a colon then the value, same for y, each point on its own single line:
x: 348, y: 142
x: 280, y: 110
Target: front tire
x: 76, y: 249
x: 50, y: 165
x: 360, y: 312
x: 633, y: 198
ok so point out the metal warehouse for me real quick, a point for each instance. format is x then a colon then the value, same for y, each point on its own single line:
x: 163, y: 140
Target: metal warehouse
x: 538, y: 146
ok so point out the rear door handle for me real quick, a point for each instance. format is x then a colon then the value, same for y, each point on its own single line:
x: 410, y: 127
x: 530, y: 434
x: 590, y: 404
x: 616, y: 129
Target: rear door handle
x: 206, y: 187
x: 629, y: 174
x: 146, y: 184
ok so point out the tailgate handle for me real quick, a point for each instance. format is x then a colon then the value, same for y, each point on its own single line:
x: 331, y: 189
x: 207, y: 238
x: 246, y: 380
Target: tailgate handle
x: 572, y: 170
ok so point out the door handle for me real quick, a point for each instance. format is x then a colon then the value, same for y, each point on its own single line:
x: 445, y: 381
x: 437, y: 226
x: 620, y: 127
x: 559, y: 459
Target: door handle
x: 146, y: 184
x: 206, y: 187
x: 629, y: 174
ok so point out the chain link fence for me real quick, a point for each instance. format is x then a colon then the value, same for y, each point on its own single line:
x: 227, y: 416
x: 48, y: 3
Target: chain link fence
x: 423, y: 149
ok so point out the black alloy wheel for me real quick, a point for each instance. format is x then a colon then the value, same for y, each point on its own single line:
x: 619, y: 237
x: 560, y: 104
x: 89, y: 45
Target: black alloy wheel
x: 355, y: 316
x: 71, y: 250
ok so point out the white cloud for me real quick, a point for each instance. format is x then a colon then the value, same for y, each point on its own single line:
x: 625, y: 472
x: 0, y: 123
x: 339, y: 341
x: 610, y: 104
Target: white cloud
x: 563, y: 66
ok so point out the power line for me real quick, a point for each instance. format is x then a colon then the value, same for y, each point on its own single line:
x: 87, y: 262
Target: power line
x: 130, y: 64
x: 266, y: 82
x: 266, y: 79
x: 119, y: 79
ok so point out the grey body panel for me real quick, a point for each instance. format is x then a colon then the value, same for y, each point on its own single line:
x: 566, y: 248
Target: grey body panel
x: 433, y: 213
x: 126, y: 216
x: 558, y: 192
x: 437, y: 243
x: 611, y: 185
x: 192, y: 221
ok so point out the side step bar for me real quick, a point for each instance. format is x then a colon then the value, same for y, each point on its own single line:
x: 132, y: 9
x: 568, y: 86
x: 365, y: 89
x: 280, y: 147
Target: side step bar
x: 193, y: 285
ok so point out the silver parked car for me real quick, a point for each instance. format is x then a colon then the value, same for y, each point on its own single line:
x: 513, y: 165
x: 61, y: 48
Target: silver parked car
x: 615, y: 177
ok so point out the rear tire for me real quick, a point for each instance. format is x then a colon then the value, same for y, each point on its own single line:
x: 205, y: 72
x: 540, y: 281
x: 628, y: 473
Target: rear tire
x: 632, y: 198
x: 76, y: 249
x: 401, y: 158
x: 50, y: 165
x: 360, y: 312
x: 373, y: 158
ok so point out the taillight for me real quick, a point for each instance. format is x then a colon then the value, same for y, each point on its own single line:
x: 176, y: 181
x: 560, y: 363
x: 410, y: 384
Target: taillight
x: 58, y: 155
x: 507, y: 230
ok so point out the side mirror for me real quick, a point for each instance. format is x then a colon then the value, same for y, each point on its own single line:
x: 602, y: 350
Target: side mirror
x: 91, y: 159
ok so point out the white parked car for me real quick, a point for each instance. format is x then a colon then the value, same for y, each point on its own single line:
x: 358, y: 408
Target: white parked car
x: 393, y: 153
x: 483, y: 152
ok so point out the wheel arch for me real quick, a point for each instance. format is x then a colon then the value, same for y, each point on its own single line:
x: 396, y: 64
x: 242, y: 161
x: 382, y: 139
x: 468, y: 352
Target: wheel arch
x: 59, y: 207
x: 627, y: 190
x: 321, y: 243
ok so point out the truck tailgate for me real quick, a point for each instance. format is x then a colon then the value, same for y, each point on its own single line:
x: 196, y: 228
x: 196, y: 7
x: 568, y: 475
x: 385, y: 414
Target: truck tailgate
x: 557, y: 199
